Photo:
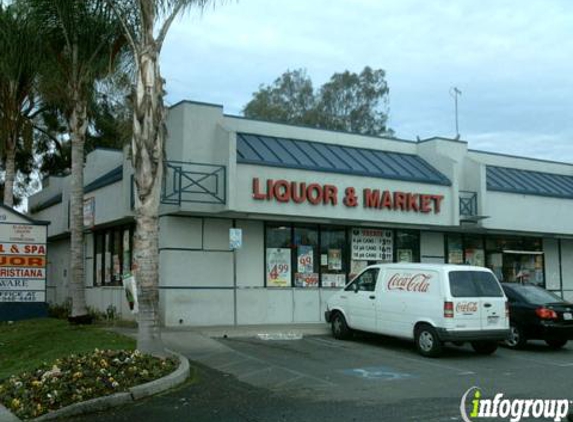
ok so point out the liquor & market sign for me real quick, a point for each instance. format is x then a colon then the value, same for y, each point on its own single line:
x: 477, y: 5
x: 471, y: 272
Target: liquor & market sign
x: 284, y: 191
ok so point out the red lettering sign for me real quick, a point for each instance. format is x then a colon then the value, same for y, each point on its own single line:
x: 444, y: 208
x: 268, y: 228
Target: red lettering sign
x: 284, y: 191
x: 419, y: 283
x: 466, y: 307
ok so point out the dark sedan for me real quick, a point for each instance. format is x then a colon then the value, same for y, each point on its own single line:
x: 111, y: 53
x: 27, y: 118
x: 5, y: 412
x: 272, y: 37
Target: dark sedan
x: 537, y: 314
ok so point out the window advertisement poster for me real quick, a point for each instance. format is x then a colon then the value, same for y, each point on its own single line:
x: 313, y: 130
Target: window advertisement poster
x: 333, y: 280
x: 126, y: 252
x: 278, y: 267
x: 475, y: 257
x: 89, y: 212
x: 372, y: 245
x: 405, y: 255
x: 356, y: 268
x: 306, y: 280
x: 335, y: 259
x: 456, y: 257
x: 98, y: 270
x: 305, y: 259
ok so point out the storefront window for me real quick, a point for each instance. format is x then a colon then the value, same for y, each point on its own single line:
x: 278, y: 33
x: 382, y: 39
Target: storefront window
x: 407, y: 246
x: 333, y: 257
x: 516, y: 259
x: 474, y: 253
x: 455, y: 249
x: 113, y: 256
x: 307, y: 257
x: 278, y: 255
x: 511, y: 258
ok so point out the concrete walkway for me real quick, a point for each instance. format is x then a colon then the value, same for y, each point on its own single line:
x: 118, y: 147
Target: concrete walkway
x: 198, y: 343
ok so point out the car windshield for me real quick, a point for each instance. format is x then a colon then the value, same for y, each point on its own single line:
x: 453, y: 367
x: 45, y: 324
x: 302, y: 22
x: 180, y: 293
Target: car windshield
x: 474, y: 284
x: 536, y: 295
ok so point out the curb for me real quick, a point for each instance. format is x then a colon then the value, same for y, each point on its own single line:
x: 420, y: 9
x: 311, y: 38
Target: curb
x: 138, y: 392
x: 7, y: 416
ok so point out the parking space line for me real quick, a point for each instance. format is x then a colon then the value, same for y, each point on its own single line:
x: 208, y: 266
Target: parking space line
x: 256, y: 371
x: 284, y: 368
x: 228, y: 365
x: 459, y: 371
x: 326, y: 342
x: 540, y: 362
x: 283, y: 383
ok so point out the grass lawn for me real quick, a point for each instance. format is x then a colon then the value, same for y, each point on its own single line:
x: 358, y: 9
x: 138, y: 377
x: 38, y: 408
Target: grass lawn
x: 24, y: 345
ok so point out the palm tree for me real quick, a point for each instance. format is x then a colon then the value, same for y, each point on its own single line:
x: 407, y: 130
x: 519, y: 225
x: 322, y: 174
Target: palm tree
x: 146, y: 24
x: 83, y: 42
x: 20, y: 59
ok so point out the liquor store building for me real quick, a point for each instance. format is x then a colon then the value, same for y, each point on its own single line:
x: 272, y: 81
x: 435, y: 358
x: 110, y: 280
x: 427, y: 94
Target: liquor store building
x: 314, y: 208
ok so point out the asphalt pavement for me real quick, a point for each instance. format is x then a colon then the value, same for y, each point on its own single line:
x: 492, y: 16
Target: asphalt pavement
x: 317, y: 378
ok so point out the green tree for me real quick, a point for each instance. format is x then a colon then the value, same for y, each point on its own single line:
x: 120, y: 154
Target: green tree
x: 84, y: 42
x: 21, y: 54
x: 352, y: 102
x: 146, y: 24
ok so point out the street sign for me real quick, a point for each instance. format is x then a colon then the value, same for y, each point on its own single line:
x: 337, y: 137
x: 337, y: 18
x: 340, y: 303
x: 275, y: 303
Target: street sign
x: 235, y: 238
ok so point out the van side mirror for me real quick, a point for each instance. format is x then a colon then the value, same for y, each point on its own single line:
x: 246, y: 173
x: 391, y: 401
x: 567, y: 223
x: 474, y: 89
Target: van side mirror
x: 355, y: 287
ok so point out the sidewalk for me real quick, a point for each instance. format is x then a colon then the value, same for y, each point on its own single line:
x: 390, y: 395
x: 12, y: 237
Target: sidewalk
x: 199, y: 342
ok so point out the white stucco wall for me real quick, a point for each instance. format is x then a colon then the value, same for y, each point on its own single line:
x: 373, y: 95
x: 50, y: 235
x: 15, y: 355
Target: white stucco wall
x: 527, y: 213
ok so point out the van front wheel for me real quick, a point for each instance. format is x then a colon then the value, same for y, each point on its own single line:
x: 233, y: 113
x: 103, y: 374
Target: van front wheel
x: 484, y: 347
x: 427, y: 341
x: 340, y: 329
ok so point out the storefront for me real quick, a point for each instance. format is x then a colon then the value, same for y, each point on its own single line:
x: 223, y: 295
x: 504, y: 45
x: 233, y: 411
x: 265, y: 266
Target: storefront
x: 314, y: 207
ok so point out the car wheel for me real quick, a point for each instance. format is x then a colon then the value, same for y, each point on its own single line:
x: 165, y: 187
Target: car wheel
x: 340, y: 329
x: 427, y: 341
x: 484, y: 347
x: 556, y: 344
x: 516, y: 338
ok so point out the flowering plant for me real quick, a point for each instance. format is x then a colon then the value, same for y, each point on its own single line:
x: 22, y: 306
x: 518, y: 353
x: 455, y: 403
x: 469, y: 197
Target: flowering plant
x: 78, y: 378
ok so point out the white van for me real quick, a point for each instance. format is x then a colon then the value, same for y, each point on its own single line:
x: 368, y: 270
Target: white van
x: 429, y: 303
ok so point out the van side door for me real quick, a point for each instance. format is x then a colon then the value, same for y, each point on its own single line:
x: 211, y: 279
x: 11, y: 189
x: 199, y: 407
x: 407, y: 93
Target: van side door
x: 406, y: 297
x: 361, y: 300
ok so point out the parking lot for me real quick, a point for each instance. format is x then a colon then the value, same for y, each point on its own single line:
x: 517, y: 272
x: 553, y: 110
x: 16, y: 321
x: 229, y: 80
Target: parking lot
x: 317, y: 378
x: 376, y: 368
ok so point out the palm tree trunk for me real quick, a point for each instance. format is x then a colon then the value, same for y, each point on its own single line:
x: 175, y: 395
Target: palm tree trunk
x: 78, y: 126
x: 10, y: 173
x: 147, y: 158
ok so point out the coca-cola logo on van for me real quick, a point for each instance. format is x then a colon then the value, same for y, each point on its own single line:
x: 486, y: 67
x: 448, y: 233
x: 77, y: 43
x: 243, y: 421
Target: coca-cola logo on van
x: 466, y: 307
x: 410, y: 283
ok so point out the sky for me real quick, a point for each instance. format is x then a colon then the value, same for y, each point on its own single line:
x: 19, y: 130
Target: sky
x: 511, y: 59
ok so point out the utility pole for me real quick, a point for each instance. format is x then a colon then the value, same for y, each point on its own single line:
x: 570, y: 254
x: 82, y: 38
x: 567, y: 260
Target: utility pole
x: 455, y: 92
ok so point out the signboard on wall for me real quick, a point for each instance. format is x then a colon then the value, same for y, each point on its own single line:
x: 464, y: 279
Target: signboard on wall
x: 22, y: 263
x: 89, y: 212
x: 372, y: 245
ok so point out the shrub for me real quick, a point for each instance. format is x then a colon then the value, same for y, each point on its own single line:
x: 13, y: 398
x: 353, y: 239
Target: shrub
x: 78, y: 378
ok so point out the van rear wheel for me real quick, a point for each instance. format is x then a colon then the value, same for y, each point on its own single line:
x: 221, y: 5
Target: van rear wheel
x: 427, y: 341
x: 484, y: 347
x: 340, y: 329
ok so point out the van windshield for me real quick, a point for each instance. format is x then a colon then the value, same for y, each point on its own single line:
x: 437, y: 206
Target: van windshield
x: 474, y: 284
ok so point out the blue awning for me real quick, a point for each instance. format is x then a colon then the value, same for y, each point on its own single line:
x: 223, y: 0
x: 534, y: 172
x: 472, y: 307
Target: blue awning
x: 528, y: 182
x: 317, y: 156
